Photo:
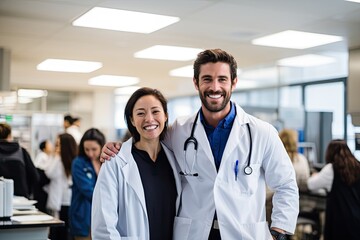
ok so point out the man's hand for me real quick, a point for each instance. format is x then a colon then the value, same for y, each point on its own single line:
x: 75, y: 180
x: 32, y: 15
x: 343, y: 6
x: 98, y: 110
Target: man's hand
x: 278, y: 230
x: 109, y: 150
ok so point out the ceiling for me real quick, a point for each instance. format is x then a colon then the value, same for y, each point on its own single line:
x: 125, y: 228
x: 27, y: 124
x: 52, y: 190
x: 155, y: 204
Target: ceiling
x: 34, y: 30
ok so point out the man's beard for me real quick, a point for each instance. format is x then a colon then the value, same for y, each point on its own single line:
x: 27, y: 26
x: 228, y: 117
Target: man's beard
x: 214, y: 108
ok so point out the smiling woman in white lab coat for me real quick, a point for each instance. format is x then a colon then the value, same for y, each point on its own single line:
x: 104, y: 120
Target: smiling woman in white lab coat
x: 136, y: 194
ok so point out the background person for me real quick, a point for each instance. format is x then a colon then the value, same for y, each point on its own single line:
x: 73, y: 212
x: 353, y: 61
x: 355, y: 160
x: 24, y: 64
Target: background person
x: 16, y: 164
x: 341, y: 178
x: 85, y: 169
x: 42, y: 162
x: 59, y: 188
x: 221, y: 196
x: 289, y: 138
x: 42, y: 158
x: 135, y: 195
x: 72, y: 126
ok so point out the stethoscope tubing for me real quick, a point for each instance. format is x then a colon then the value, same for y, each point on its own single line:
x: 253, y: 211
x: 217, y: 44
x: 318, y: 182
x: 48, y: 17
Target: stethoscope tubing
x: 192, y: 140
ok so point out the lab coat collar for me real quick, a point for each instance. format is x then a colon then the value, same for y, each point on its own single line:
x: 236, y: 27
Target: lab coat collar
x: 236, y: 136
x: 131, y: 171
x: 241, y: 116
x: 132, y: 175
x: 172, y: 162
x: 200, y: 135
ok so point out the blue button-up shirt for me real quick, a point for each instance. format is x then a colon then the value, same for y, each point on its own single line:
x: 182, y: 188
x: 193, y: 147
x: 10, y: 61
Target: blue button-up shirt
x: 218, y: 136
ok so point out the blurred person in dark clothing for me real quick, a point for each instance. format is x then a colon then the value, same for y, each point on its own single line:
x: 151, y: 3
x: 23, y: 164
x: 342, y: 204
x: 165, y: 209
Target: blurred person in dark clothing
x: 341, y: 179
x: 16, y: 164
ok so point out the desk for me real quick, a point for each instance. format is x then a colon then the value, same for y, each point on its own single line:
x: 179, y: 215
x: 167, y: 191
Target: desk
x: 34, y: 226
x: 310, y: 201
x: 312, y: 207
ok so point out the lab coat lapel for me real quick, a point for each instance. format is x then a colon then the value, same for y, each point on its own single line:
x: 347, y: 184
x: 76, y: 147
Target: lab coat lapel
x: 131, y: 172
x: 235, y: 138
x: 172, y: 161
x: 202, y: 139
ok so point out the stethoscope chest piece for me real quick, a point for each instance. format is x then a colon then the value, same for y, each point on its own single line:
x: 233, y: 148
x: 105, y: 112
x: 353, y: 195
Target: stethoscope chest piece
x: 248, y: 170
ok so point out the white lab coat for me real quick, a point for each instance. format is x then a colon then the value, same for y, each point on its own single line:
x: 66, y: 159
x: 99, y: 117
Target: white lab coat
x: 240, y: 204
x: 74, y: 131
x: 59, y: 188
x: 118, y: 207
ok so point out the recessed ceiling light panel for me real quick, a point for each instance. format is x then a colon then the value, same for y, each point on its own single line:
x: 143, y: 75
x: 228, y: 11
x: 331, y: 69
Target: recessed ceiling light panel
x: 296, y: 40
x: 63, y: 65
x: 32, y: 93
x: 122, y: 20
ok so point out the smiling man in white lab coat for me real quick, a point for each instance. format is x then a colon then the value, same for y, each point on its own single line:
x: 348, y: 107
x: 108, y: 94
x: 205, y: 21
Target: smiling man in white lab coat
x: 230, y: 157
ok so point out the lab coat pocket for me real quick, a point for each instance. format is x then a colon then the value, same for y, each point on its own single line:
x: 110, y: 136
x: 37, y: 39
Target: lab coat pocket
x: 246, y: 184
x: 255, y: 231
x: 130, y: 238
x: 181, y: 228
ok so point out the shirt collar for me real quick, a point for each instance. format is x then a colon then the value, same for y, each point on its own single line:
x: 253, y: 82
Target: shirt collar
x: 224, y: 123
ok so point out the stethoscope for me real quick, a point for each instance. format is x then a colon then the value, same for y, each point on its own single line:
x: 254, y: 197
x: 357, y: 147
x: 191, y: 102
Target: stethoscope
x: 192, y: 140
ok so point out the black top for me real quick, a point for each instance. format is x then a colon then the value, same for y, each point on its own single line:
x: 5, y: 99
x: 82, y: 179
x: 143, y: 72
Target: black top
x: 160, y: 192
x: 342, y: 218
x: 16, y: 164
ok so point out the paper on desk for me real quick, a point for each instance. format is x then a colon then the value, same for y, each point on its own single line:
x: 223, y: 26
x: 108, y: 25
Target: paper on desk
x: 31, y: 218
x: 23, y: 203
x: 17, y: 212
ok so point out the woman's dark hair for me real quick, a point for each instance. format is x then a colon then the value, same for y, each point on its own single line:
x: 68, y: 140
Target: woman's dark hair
x: 92, y: 134
x: 130, y: 107
x: 69, y: 119
x: 5, y: 131
x: 344, y: 162
x: 214, y: 56
x: 42, y: 145
x: 68, y: 151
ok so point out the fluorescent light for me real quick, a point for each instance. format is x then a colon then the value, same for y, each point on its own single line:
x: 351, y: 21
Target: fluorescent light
x: 356, y: 1
x: 63, y: 65
x: 308, y: 60
x: 113, y: 81
x: 31, y: 93
x: 187, y: 71
x: 126, y: 90
x: 168, y: 53
x: 121, y: 20
x: 296, y: 39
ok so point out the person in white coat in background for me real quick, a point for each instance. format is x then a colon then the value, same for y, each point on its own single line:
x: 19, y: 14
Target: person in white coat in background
x: 59, y: 188
x: 137, y: 193
x: 230, y: 157
x: 72, y: 127
x: 42, y: 159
